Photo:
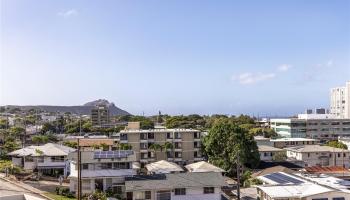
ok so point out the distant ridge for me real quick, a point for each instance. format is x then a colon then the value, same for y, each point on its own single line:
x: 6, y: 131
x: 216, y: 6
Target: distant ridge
x: 83, y: 109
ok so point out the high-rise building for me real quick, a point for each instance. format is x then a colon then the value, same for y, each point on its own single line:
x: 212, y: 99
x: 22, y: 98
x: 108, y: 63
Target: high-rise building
x: 340, y: 101
x: 100, y: 116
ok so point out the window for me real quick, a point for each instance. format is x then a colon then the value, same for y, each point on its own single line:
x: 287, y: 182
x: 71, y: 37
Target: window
x: 177, y: 145
x: 338, y: 198
x: 169, y: 136
x: 178, y: 155
x: 308, y: 154
x: 150, y: 135
x: 338, y: 155
x: 180, y: 191
x: 148, y: 195
x: 321, y: 199
x: 40, y: 159
x: 29, y: 159
x: 143, y: 136
x: 123, y: 136
x: 177, y: 135
x: 85, y: 166
x: 208, y: 190
x: 143, y: 146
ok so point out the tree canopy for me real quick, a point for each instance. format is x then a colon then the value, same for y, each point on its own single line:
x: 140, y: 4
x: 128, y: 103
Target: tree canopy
x: 225, y: 141
x: 337, y: 144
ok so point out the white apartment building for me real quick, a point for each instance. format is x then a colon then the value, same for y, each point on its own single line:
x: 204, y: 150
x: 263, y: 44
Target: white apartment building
x: 340, y: 101
x: 49, y: 159
x: 102, y: 170
x: 316, y: 155
x: 316, y: 128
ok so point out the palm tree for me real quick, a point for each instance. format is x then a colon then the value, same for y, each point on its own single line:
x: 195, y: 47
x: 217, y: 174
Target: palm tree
x: 155, y: 147
x: 168, y: 146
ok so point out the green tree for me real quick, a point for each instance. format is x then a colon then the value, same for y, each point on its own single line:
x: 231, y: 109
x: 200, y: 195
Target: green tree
x: 40, y: 139
x: 155, y: 147
x: 16, y: 131
x: 337, y: 144
x: 71, y: 144
x: 279, y: 156
x: 266, y: 132
x: 47, y: 126
x: 225, y: 141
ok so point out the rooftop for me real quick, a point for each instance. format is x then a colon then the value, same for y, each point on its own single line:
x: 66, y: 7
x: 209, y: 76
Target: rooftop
x: 157, y: 130
x: 203, y: 166
x: 328, y: 170
x: 162, y: 167
x: 265, y: 148
x: 315, y: 148
x: 293, y: 140
x: 170, y: 181
x: 48, y: 149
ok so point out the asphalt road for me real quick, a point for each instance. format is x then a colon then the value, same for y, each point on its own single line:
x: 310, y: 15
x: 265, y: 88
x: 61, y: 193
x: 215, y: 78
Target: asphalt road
x: 7, y: 188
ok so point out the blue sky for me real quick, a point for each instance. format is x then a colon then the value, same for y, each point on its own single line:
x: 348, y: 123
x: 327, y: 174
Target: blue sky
x: 180, y: 57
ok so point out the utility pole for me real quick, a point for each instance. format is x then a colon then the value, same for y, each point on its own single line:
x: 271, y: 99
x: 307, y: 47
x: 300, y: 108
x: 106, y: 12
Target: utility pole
x: 79, y: 171
x: 238, y: 177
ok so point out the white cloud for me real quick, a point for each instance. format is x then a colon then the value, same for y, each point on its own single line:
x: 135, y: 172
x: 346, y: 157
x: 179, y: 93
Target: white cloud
x: 68, y: 13
x: 250, y: 78
x: 284, y: 67
x: 329, y: 63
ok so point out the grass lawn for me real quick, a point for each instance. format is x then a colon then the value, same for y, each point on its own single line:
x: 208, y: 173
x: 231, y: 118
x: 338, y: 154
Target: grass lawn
x: 58, y: 197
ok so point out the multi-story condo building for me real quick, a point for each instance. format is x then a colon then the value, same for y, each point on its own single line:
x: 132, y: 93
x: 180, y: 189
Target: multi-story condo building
x: 50, y: 159
x: 100, y: 116
x: 317, y: 128
x: 316, y: 155
x: 186, y: 145
x: 340, y: 101
x: 102, y: 170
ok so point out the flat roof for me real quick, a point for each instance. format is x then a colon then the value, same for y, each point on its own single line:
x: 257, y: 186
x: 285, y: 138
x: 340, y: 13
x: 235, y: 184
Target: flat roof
x: 293, y: 140
x: 316, y: 148
x: 171, y: 181
x: 266, y: 148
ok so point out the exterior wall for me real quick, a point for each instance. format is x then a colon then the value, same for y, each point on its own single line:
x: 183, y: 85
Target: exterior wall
x: 325, y: 129
x: 191, y: 194
x: 340, y: 101
x: 330, y: 195
x: 197, y: 194
x: 267, y: 155
x: 186, y: 149
x: 294, y: 128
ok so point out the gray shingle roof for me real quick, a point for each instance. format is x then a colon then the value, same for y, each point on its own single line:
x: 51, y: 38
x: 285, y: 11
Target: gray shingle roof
x: 171, y: 181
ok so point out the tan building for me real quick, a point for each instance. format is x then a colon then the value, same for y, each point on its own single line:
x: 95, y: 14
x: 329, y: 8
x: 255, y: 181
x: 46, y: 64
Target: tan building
x: 100, y: 116
x: 186, y: 144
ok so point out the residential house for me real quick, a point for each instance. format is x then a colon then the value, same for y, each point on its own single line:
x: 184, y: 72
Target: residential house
x: 102, y: 170
x: 178, y: 186
x: 51, y: 159
x: 282, y: 185
x: 267, y: 153
x: 316, y: 155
